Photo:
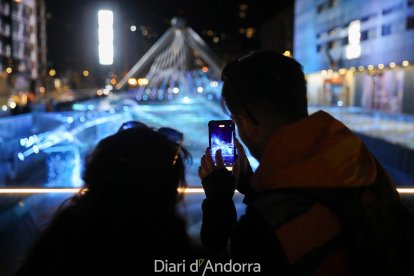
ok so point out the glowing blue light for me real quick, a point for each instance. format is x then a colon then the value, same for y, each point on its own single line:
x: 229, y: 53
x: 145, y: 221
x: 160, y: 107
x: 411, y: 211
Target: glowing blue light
x: 35, y: 149
x: 23, y: 142
x: 82, y: 119
x: 186, y: 100
x: 78, y: 107
x: 69, y: 120
x: 20, y: 156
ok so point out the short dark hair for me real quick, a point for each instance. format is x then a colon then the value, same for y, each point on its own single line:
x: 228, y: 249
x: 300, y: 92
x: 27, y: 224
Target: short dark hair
x: 265, y: 83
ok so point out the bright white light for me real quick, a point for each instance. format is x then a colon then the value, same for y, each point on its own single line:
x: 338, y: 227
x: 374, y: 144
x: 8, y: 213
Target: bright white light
x: 340, y: 103
x: 12, y: 105
x: 69, y: 120
x: 176, y: 90
x: 353, y: 50
x: 186, y: 100
x: 35, y: 149
x: 143, y: 81
x: 4, y: 107
x: 213, y: 84
x: 106, y: 37
x: 132, y: 81
x: 133, y: 28
x: 200, y: 89
x: 106, y: 92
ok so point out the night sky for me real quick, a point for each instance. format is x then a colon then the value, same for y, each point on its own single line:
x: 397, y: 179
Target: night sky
x: 72, y: 30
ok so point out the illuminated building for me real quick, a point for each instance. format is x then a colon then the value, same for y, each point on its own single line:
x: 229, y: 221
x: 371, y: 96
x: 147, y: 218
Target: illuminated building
x: 375, y: 36
x: 22, y: 46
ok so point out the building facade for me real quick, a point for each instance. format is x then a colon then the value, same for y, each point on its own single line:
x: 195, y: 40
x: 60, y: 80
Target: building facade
x: 22, y: 49
x: 357, y: 53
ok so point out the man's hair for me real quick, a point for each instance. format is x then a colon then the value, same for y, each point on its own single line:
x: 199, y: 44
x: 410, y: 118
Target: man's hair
x: 265, y: 84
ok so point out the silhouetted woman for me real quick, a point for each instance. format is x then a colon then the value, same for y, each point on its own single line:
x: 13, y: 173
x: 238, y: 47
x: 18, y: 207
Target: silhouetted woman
x: 127, y: 217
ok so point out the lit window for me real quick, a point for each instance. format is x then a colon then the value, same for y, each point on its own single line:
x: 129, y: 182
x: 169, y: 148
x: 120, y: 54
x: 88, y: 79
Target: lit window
x: 243, y: 7
x: 250, y: 32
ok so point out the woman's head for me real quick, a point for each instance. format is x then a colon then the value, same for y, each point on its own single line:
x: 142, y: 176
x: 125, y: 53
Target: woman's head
x: 135, y: 167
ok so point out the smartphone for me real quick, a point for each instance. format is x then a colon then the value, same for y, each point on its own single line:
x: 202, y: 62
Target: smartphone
x: 221, y: 136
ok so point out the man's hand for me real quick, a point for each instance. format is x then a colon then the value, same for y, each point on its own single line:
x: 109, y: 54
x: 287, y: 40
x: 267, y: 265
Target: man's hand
x: 242, y: 171
x: 207, y: 163
x: 241, y: 166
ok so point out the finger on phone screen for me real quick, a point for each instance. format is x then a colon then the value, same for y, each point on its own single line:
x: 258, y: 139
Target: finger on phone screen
x: 206, y: 165
x: 209, y: 157
x: 219, y: 159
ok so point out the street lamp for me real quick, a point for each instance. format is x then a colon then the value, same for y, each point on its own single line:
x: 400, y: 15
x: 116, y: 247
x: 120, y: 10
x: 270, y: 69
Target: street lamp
x: 52, y: 72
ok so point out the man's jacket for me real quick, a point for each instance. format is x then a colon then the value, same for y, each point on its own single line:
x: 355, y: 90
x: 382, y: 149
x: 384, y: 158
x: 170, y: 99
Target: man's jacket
x: 314, y: 178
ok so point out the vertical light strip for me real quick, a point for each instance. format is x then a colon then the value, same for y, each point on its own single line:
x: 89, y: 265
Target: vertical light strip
x: 353, y: 50
x: 106, y: 37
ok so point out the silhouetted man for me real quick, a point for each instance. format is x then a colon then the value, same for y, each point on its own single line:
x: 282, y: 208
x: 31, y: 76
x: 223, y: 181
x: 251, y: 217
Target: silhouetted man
x: 311, y: 203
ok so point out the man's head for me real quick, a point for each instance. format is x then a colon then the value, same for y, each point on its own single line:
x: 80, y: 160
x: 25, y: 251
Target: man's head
x: 263, y: 91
